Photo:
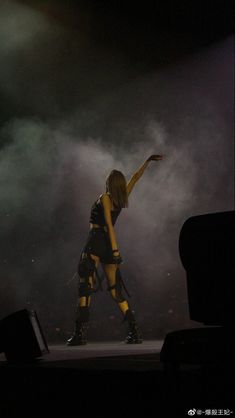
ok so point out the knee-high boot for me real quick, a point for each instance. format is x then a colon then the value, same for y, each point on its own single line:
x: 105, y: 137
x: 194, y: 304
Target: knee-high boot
x: 134, y: 335
x: 79, y: 336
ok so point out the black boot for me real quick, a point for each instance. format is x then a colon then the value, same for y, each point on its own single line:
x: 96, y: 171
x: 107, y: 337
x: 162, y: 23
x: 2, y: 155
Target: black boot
x: 79, y: 336
x: 134, y: 335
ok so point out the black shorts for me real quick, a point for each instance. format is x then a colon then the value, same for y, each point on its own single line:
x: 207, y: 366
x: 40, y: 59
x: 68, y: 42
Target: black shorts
x: 98, y: 243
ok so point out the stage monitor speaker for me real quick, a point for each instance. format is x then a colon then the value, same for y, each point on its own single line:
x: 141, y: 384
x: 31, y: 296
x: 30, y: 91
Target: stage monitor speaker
x: 21, y: 337
x: 207, y: 252
x: 205, y: 345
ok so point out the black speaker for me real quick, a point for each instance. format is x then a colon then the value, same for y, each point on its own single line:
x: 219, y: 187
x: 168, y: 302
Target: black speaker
x: 205, y: 345
x: 21, y: 337
x: 207, y: 252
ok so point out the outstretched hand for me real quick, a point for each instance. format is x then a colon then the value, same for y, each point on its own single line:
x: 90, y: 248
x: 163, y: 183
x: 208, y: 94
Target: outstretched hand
x: 155, y: 157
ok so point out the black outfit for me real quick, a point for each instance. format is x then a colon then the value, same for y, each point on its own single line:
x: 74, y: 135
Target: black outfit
x: 97, y: 214
x: 98, y: 243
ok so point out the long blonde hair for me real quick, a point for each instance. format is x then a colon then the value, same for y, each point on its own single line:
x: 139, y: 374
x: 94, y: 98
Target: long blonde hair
x: 116, y: 187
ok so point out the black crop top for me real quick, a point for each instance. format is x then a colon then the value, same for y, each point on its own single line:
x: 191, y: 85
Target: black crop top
x: 97, y: 214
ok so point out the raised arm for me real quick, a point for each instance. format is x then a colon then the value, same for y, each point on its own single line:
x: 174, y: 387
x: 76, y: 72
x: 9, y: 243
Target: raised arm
x: 136, y: 176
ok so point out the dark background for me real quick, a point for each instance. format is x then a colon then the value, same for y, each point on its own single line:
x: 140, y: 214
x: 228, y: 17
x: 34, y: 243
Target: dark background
x: 88, y: 86
x: 145, y: 36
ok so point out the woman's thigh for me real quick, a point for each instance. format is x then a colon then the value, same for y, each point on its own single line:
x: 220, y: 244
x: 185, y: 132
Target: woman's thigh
x: 110, y: 272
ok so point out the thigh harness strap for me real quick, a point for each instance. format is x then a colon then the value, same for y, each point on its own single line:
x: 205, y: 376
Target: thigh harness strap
x: 86, y: 269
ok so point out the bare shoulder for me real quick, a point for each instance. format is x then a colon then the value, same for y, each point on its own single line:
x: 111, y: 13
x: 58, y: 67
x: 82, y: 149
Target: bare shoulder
x: 105, y: 200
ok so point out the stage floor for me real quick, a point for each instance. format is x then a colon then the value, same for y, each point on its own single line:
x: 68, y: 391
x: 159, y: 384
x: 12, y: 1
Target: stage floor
x: 108, y: 355
x: 113, y: 354
x: 88, y: 377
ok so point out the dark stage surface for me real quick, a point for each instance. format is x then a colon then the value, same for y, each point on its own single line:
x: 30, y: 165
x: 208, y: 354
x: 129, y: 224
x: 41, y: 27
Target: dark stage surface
x: 113, y: 379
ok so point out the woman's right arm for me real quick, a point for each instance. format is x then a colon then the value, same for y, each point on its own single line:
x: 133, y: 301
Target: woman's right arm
x: 136, y: 176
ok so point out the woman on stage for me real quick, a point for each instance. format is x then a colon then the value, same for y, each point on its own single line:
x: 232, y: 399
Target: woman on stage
x: 102, y: 247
